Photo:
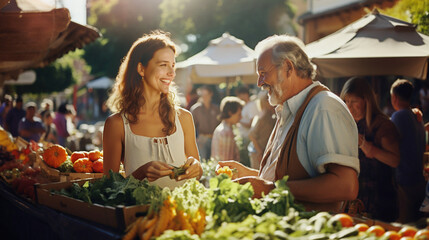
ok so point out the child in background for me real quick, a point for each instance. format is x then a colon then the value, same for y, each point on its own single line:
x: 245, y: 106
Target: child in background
x: 224, y: 146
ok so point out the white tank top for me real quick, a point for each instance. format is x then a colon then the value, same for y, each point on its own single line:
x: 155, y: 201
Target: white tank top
x: 140, y: 150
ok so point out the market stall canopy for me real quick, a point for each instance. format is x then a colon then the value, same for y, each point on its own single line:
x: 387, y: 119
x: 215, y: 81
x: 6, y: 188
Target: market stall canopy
x: 225, y: 59
x: 32, y: 39
x: 25, y: 78
x: 100, y: 83
x: 373, y: 45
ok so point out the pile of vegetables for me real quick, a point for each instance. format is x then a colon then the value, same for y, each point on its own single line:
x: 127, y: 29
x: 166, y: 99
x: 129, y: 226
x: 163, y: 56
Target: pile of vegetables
x: 224, y: 210
x: 62, y: 159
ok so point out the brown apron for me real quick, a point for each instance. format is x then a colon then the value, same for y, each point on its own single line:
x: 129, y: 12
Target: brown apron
x: 288, y: 162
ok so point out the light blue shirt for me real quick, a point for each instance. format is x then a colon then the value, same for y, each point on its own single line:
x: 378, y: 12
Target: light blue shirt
x: 327, y: 133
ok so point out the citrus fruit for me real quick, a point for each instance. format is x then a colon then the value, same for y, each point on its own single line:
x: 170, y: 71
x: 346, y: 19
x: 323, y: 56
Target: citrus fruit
x: 408, y: 231
x: 361, y: 227
x: 377, y: 230
x: 391, y: 235
x: 422, y: 234
x: 344, y: 219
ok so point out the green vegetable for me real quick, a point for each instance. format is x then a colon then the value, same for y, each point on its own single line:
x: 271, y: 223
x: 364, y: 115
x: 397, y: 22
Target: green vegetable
x: 178, y: 235
x: 116, y: 190
x: 66, y: 166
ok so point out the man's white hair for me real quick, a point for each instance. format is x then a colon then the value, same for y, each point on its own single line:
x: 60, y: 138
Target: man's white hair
x: 287, y: 47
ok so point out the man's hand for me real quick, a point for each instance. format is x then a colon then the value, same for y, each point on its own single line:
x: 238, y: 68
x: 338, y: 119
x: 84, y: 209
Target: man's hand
x: 259, y: 185
x: 242, y: 171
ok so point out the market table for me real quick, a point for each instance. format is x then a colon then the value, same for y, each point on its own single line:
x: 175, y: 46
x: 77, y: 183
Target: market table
x: 23, y: 219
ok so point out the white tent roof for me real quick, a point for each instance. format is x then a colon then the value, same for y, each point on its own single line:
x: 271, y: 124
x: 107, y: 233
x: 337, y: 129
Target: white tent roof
x: 100, y: 83
x: 226, y: 56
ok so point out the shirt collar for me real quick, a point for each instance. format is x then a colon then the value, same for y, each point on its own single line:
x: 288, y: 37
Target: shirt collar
x: 292, y: 105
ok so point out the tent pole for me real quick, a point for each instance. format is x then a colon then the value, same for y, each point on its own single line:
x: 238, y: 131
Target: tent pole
x: 227, y: 86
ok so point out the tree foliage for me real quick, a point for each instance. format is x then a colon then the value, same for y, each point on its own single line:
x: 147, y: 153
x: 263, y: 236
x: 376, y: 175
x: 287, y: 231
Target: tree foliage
x: 55, y: 77
x: 250, y: 20
x: 414, y: 11
x: 121, y: 23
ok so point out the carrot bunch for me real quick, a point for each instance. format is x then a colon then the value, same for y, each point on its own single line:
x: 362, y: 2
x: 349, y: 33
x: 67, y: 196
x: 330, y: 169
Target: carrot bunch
x: 168, y: 217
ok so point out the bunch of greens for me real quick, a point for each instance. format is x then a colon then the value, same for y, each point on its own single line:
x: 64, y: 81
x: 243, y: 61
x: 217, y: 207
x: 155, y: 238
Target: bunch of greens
x: 178, y: 235
x: 117, y: 190
x: 191, y: 196
x: 267, y: 226
x: 230, y: 201
x: 209, y: 166
x: 279, y: 200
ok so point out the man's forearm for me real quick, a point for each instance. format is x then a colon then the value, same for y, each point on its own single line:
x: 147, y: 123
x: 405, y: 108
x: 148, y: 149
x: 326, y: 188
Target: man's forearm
x: 329, y: 187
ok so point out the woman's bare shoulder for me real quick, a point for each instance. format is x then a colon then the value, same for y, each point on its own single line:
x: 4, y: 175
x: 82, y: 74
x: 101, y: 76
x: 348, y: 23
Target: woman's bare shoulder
x: 184, y: 112
x: 185, y: 116
x: 114, y: 121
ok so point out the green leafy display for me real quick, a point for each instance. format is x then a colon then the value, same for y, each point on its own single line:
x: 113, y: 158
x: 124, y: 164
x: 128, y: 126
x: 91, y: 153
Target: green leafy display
x: 116, y: 190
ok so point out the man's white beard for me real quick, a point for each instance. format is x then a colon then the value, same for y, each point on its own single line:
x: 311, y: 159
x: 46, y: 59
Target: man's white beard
x: 275, y: 92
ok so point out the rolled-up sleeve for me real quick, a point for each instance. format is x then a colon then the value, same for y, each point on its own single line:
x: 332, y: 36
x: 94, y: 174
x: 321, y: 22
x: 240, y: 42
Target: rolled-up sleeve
x: 327, y: 134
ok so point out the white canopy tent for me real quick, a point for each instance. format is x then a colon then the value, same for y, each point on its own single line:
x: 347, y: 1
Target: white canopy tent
x: 100, y: 83
x: 225, y: 60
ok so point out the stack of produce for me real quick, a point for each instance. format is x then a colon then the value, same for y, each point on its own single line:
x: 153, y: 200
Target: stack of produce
x: 17, y: 169
x: 225, y: 210
x: 57, y: 157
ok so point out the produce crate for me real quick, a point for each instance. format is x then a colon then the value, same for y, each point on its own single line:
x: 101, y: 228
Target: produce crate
x: 118, y: 217
x: 57, y: 176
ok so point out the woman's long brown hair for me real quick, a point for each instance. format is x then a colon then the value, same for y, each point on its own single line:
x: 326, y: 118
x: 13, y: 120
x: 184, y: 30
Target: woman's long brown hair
x: 127, y: 94
x: 359, y: 87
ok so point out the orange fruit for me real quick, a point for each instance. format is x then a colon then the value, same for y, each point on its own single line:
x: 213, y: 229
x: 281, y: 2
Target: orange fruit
x: 408, y: 231
x: 391, y: 235
x: 344, y: 219
x: 97, y: 166
x: 377, y: 230
x: 224, y: 169
x: 83, y: 165
x: 76, y: 155
x: 94, y: 155
x: 422, y: 234
x: 361, y: 227
x: 406, y: 238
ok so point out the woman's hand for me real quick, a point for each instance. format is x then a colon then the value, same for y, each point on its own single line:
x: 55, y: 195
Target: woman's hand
x: 242, y: 171
x: 194, y: 170
x: 367, y: 148
x: 152, y: 171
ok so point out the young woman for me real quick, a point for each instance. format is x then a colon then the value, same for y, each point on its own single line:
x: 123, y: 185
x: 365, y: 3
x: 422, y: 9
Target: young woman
x: 378, y: 150
x: 224, y: 146
x: 148, y: 131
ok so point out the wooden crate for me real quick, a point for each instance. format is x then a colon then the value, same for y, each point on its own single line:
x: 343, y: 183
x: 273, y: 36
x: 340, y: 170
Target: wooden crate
x: 118, y: 217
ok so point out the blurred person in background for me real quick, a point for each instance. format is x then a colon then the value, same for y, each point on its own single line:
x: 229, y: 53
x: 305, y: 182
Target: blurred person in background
x: 50, y: 134
x: 409, y: 177
x: 30, y: 127
x: 205, y: 119
x: 61, y: 124
x: 378, y: 151
x: 224, y: 146
x: 260, y: 131
x: 5, y: 107
x: 46, y: 105
x: 14, y: 116
x: 250, y: 110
